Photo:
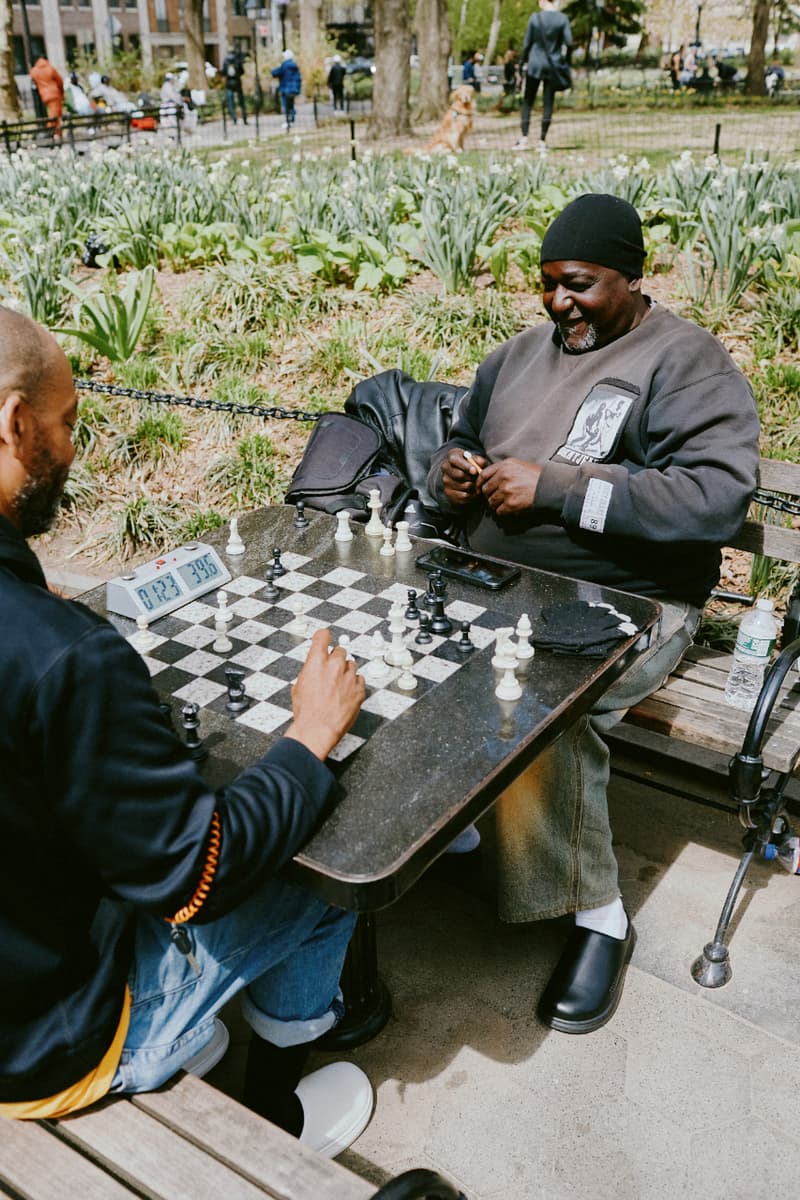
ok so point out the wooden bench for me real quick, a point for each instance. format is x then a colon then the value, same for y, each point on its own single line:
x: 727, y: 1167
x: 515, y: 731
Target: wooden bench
x: 106, y: 129
x: 762, y: 749
x: 690, y: 706
x: 186, y: 1141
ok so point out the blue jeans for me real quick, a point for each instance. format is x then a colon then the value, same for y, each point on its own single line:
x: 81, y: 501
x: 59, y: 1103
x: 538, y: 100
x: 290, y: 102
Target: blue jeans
x: 288, y: 108
x: 281, y: 947
x: 231, y: 95
x: 554, y: 852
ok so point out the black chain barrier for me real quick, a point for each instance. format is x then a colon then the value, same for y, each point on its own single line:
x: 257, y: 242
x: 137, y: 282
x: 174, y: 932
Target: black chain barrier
x: 768, y: 499
x: 245, y: 410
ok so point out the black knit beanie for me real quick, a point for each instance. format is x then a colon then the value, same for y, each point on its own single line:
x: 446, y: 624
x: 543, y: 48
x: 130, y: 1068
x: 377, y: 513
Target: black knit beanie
x: 597, y: 229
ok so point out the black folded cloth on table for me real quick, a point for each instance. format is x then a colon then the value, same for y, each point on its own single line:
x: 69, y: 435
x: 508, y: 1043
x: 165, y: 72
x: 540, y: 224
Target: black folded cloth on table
x: 578, y: 627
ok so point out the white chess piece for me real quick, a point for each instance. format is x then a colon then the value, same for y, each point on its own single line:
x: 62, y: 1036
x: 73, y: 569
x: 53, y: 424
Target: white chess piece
x: 235, y: 544
x: 509, y: 687
x: 376, y: 671
x: 344, y: 642
x: 343, y: 531
x: 387, y: 549
x: 407, y: 680
x: 397, y: 651
x: 374, y: 526
x: 523, y: 648
x: 504, y: 654
x: 222, y: 644
x: 143, y: 640
x: 403, y: 541
x: 299, y: 622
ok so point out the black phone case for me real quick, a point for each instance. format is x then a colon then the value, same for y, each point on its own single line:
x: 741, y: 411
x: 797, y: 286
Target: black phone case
x: 490, y: 572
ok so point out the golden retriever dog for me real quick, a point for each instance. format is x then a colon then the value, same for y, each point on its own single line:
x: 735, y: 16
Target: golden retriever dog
x: 456, y: 122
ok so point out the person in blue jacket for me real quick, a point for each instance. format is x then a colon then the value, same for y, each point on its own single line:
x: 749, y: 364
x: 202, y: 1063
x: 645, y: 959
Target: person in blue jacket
x: 135, y: 900
x: 290, y: 83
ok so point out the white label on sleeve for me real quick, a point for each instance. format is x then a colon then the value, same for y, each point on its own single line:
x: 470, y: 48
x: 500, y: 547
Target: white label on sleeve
x: 595, y: 505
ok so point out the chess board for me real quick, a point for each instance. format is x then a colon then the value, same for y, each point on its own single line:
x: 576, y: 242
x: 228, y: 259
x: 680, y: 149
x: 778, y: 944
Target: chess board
x: 184, y: 667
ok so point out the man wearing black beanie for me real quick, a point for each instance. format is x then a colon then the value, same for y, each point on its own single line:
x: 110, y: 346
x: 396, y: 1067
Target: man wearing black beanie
x: 618, y: 445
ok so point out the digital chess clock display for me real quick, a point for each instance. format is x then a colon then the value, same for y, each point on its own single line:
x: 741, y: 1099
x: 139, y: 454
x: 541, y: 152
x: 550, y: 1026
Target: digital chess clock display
x: 167, y: 582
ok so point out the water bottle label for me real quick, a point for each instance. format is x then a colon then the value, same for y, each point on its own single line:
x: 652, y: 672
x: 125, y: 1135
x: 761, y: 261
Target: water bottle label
x: 754, y: 647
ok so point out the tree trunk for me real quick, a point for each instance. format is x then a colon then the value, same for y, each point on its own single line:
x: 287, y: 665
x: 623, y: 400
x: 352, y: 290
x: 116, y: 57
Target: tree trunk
x: 9, y: 100
x: 195, y: 42
x: 310, y: 53
x: 754, y: 84
x: 392, y: 67
x: 433, y: 44
x: 494, y: 33
x: 462, y: 20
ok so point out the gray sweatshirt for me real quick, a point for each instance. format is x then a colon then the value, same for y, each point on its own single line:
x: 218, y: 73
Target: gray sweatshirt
x: 649, y: 447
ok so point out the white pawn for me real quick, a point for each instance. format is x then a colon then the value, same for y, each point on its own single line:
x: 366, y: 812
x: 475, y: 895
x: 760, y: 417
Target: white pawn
x: 504, y: 655
x: 524, y: 649
x: 299, y: 623
x: 403, y: 541
x: 387, y: 549
x: 509, y: 686
x: 376, y: 670
x: 222, y: 643
x: 222, y: 604
x: 143, y: 640
x: 343, y: 531
x: 235, y: 544
x: 374, y: 527
x: 407, y: 680
x: 344, y: 642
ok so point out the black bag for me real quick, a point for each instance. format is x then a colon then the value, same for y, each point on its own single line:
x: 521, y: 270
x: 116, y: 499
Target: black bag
x: 340, y: 466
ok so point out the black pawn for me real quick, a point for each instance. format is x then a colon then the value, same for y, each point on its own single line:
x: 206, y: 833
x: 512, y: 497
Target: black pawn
x: 464, y: 645
x: 278, y: 568
x: 301, y: 521
x: 424, y: 631
x: 270, y: 593
x: 237, y: 700
x: 412, y: 613
x: 191, y: 721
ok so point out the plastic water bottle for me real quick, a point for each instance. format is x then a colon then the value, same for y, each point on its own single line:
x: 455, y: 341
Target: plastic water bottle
x: 786, y: 852
x: 754, y: 645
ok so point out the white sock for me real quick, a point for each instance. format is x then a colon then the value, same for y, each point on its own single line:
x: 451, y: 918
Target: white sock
x: 610, y: 919
x: 469, y: 840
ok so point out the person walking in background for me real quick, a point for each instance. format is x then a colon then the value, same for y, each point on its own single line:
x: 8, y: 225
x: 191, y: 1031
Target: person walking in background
x: 336, y: 78
x: 689, y: 67
x: 290, y: 83
x: 468, y: 71
x: 50, y: 86
x: 171, y: 110
x: 676, y: 66
x: 548, y: 43
x: 510, y: 80
x: 76, y: 99
x: 232, y: 72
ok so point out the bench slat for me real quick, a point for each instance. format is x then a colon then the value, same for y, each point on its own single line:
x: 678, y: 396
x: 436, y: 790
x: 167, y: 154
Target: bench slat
x: 777, y: 476
x: 259, y: 1150
x: 149, y: 1156
x: 775, y: 541
x: 35, y: 1164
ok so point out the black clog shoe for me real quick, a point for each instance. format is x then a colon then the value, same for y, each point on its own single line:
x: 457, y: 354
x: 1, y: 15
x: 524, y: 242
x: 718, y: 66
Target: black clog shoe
x: 586, y: 986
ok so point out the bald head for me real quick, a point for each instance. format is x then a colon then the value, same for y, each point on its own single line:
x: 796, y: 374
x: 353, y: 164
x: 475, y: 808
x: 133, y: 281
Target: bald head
x: 28, y: 355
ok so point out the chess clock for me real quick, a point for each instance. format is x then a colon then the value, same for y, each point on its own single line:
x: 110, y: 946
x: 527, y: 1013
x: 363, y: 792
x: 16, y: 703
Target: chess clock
x: 167, y: 583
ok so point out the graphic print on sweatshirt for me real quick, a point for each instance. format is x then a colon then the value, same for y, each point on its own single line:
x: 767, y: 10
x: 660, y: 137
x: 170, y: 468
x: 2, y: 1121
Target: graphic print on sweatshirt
x: 598, y: 424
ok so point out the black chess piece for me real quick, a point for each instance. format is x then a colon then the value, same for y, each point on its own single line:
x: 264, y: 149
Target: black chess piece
x: 271, y: 592
x: 464, y: 645
x: 440, y: 622
x: 301, y: 521
x: 424, y: 632
x: 430, y: 595
x: 412, y: 613
x: 166, y: 711
x: 237, y: 700
x: 191, y: 721
x: 278, y: 568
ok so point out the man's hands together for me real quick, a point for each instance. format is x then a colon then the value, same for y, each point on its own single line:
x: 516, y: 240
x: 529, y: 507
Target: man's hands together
x: 326, y: 697
x: 509, y: 487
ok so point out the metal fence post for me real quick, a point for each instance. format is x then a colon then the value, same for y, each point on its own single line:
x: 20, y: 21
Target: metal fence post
x: 224, y: 120
x: 717, y: 131
x: 6, y: 138
x: 178, y: 119
x: 352, y: 139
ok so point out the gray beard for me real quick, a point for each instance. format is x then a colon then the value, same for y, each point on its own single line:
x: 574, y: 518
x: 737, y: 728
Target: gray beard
x: 587, y: 342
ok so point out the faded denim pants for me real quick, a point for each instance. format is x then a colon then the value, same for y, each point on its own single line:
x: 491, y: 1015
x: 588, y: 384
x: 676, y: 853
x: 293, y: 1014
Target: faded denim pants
x: 554, y: 853
x: 282, y: 948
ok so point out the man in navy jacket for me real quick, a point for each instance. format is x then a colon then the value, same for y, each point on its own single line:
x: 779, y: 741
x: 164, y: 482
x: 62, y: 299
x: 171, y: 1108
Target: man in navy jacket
x: 134, y: 901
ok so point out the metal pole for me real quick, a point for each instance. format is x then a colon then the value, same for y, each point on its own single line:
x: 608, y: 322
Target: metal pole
x: 697, y: 25
x: 353, y: 140
x: 717, y: 131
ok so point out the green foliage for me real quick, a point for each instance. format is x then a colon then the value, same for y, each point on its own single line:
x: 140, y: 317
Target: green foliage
x: 247, y: 477
x: 141, y: 521
x: 82, y: 491
x: 156, y: 435
x: 92, y: 424
x: 200, y: 523
x: 35, y: 260
x: 472, y: 323
x: 116, y: 318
